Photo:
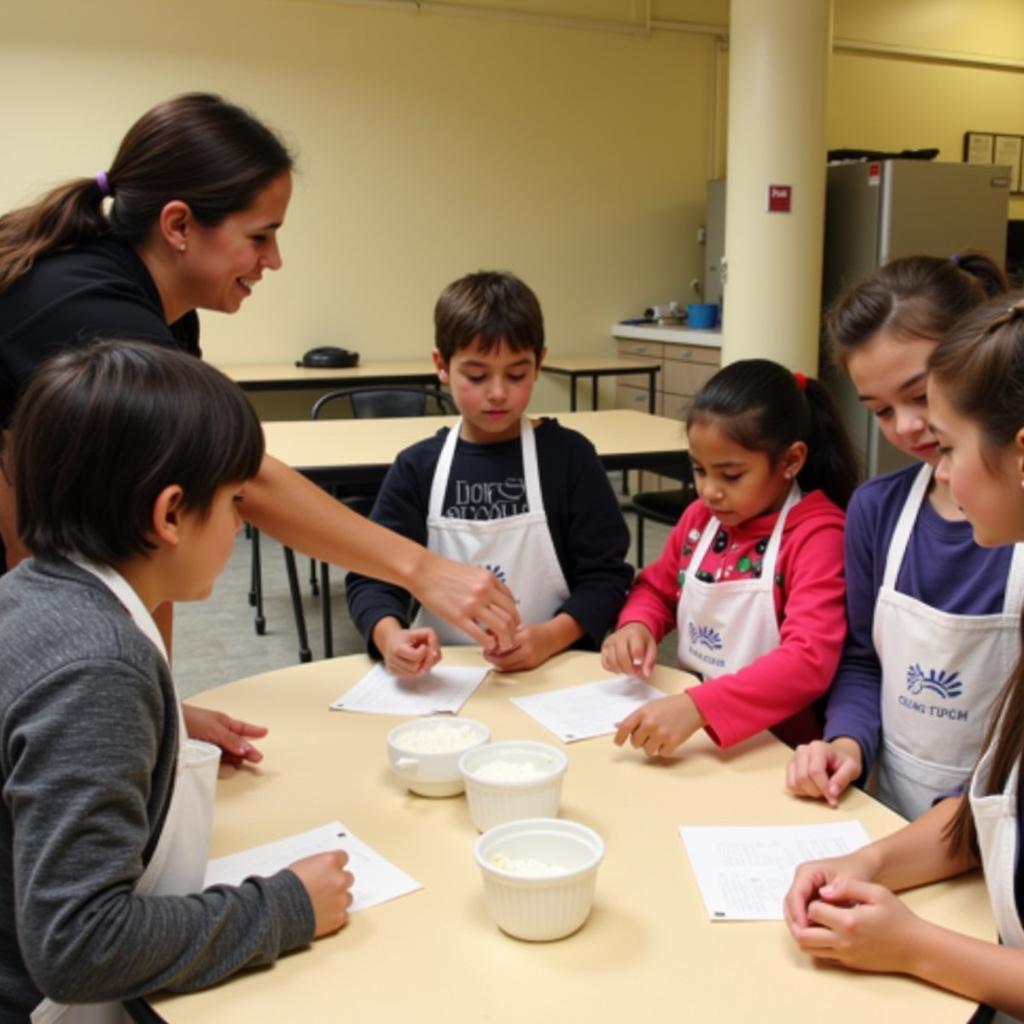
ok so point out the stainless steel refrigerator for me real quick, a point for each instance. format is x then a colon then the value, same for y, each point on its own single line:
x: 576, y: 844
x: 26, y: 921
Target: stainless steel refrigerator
x: 880, y: 210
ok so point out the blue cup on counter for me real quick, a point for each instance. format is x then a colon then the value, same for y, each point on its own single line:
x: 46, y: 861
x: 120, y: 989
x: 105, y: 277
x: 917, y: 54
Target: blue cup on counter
x: 702, y: 315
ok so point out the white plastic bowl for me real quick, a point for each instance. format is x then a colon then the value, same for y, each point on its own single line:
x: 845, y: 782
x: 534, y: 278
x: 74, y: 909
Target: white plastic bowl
x: 493, y: 801
x: 525, y: 903
x: 425, y: 753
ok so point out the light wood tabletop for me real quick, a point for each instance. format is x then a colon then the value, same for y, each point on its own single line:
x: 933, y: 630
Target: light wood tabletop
x: 273, y: 376
x: 593, y: 367
x: 648, y: 948
x: 334, y: 450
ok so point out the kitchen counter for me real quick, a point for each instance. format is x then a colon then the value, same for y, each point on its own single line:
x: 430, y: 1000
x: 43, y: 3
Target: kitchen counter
x: 669, y: 335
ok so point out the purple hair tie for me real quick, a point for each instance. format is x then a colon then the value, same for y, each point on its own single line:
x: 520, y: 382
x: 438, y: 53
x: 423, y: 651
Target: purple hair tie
x: 956, y: 258
x: 101, y: 179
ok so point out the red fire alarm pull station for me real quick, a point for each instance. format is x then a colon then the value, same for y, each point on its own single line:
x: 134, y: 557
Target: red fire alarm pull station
x: 780, y: 198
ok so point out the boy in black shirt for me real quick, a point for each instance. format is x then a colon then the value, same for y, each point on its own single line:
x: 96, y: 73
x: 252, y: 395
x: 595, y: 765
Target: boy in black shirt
x: 527, y: 499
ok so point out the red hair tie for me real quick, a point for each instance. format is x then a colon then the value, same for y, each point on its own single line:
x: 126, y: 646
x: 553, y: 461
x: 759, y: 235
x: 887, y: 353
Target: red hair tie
x: 801, y: 380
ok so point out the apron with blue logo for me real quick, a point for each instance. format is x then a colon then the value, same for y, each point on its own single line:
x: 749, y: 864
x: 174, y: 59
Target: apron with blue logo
x: 724, y: 626
x: 940, y: 676
x: 517, y: 549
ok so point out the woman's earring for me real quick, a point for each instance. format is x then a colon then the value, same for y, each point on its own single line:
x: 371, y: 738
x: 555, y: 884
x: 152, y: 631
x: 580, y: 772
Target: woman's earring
x: 182, y: 247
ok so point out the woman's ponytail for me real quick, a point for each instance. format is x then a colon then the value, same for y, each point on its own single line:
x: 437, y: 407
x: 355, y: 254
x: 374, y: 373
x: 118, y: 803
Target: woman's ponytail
x: 67, y: 216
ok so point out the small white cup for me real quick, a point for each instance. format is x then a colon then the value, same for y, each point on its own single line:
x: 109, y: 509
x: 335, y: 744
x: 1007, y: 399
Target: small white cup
x: 432, y: 772
x: 531, y: 786
x: 531, y: 905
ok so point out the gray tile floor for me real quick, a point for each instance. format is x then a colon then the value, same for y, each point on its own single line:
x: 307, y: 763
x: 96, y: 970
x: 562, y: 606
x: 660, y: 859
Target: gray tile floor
x: 215, y: 640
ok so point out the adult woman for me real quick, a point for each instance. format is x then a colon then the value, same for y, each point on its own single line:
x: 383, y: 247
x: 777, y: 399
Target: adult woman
x: 197, y: 190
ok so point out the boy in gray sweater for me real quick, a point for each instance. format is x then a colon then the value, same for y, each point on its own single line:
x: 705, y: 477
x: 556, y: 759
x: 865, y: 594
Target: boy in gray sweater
x: 138, y: 457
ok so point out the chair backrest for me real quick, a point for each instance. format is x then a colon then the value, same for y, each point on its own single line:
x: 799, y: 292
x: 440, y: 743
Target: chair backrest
x: 388, y: 403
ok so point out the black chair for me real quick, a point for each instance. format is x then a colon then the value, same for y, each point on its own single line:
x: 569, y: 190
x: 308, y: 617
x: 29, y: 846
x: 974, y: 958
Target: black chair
x: 661, y: 507
x: 359, y: 494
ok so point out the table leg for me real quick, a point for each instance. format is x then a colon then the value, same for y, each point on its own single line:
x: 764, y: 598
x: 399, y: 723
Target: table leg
x: 572, y: 392
x: 593, y: 392
x: 653, y: 373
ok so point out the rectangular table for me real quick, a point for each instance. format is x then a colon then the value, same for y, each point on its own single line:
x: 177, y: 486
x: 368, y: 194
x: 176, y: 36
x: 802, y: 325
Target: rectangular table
x: 593, y: 367
x: 281, y: 376
x: 436, y: 957
x: 334, y: 451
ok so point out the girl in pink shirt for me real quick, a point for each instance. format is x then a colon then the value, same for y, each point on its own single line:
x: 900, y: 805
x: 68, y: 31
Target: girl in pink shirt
x: 752, y: 574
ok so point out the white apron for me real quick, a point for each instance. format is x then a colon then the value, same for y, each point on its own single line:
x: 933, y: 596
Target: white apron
x: 178, y: 864
x: 726, y: 625
x: 940, y: 675
x: 995, y: 819
x: 517, y: 549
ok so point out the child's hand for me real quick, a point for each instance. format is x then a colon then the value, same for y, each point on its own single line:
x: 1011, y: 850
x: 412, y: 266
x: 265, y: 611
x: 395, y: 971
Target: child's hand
x: 328, y: 886
x: 411, y: 652
x: 660, y: 725
x: 860, y: 925
x: 821, y: 769
x: 811, y: 877
x: 225, y: 732
x: 529, y: 649
x: 631, y: 651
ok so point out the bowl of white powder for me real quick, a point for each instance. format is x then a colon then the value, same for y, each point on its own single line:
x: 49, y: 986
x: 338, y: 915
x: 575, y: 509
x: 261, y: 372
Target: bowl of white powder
x: 511, y: 780
x: 425, y: 753
x: 539, y: 876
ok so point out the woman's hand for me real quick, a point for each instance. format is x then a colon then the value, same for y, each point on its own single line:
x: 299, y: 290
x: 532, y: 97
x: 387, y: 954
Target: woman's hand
x: 660, y: 725
x: 821, y: 769
x: 225, y: 732
x: 471, y: 598
x: 630, y: 651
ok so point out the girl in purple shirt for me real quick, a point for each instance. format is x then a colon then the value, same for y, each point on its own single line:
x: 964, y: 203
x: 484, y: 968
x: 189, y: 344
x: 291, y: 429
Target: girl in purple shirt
x: 932, y: 620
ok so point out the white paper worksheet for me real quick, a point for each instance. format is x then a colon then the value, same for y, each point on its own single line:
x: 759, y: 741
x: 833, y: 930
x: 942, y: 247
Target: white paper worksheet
x: 593, y: 709
x: 376, y: 880
x: 744, y: 873
x: 445, y: 689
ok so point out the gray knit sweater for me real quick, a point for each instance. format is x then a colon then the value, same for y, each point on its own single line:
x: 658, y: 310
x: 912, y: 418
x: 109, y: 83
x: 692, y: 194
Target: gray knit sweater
x: 88, y: 734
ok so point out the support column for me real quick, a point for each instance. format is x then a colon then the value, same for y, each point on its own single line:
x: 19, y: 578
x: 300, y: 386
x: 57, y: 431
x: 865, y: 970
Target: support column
x: 779, y: 57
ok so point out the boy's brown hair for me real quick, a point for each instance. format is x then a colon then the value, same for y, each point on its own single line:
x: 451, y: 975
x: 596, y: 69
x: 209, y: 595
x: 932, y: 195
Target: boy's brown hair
x: 102, y: 430
x: 488, y: 307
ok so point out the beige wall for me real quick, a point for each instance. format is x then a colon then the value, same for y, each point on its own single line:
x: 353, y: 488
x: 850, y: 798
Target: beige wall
x: 880, y: 101
x: 429, y: 146
x: 434, y: 144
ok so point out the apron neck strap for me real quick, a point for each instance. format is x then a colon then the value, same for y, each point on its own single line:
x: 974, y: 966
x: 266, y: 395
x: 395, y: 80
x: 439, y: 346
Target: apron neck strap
x: 905, y: 525
x: 775, y: 542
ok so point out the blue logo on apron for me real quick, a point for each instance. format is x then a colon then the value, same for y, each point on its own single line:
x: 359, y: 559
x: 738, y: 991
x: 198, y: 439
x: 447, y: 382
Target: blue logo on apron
x: 946, y: 685
x: 705, y: 636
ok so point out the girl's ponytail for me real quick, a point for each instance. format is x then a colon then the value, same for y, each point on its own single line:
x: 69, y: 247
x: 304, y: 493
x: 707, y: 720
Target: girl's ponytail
x: 69, y: 215
x: 832, y: 464
x: 765, y: 408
